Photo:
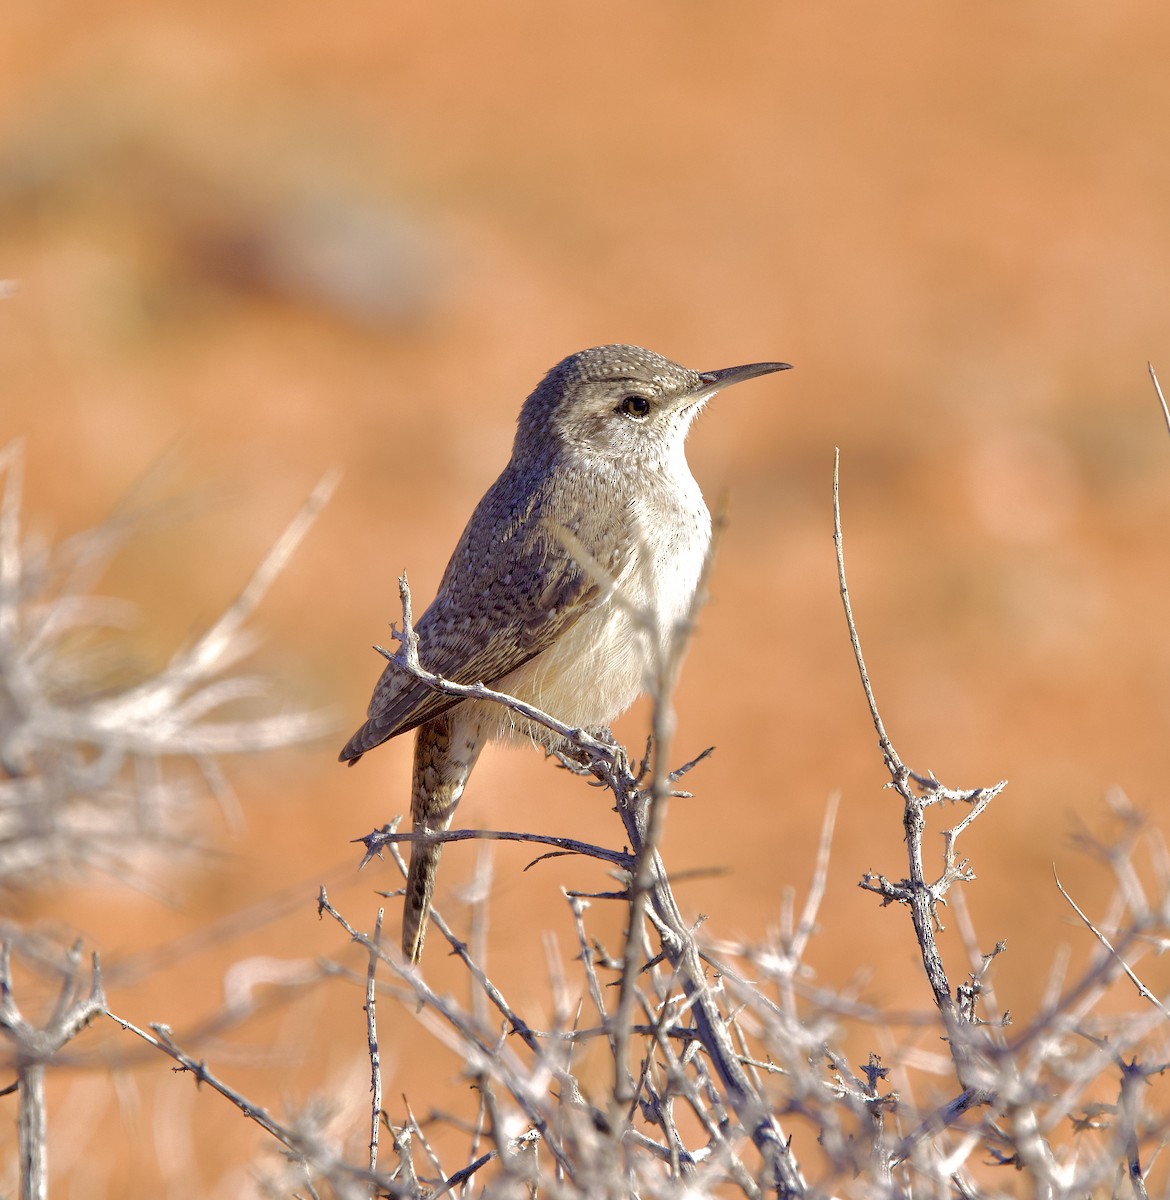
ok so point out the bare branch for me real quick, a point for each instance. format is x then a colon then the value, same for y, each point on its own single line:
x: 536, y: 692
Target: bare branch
x: 1158, y: 389
x: 372, y: 1036
x: 85, y: 773
x: 1143, y: 991
x: 376, y: 841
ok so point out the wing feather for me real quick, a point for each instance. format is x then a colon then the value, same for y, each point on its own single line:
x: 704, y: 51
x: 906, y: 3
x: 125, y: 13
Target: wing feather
x: 490, y: 625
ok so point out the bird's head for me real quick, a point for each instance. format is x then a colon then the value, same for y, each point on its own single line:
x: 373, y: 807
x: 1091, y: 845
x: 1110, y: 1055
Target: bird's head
x: 622, y: 403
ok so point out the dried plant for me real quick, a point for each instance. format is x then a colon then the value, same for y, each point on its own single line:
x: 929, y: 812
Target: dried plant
x: 94, y: 771
x: 95, y: 775
x: 727, y: 1076
x: 727, y: 1068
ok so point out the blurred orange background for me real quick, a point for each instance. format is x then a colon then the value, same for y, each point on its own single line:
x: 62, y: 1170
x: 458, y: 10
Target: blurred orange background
x: 252, y: 243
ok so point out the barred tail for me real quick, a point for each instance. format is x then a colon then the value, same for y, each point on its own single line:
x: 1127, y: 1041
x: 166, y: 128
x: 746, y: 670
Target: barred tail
x: 445, y: 750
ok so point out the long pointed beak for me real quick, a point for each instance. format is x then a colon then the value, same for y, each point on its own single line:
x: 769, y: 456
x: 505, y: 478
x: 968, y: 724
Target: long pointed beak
x: 716, y: 381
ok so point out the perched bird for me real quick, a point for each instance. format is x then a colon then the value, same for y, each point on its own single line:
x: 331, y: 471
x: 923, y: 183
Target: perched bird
x: 599, y: 474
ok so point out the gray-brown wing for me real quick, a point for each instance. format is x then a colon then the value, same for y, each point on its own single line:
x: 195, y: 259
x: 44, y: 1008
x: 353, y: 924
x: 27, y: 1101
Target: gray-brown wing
x: 479, y: 633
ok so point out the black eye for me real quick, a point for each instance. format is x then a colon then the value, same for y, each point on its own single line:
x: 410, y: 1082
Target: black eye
x: 634, y: 406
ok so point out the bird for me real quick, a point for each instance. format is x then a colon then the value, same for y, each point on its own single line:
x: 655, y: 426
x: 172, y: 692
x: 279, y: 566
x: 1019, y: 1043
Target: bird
x: 595, y: 519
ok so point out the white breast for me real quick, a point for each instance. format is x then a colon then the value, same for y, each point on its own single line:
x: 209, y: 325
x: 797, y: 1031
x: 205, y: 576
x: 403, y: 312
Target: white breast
x: 605, y: 661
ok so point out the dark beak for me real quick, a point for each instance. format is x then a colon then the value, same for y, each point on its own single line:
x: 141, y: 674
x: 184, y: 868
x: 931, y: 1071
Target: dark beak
x: 716, y: 381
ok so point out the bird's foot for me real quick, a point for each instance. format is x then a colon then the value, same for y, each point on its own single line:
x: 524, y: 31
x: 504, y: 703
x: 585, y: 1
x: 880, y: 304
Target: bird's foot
x: 603, y: 760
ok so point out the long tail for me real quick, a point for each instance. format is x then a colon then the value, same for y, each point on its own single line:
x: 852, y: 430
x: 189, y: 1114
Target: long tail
x: 420, y: 888
x: 445, y: 750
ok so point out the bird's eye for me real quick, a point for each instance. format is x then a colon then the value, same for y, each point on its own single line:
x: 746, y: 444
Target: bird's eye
x: 634, y: 406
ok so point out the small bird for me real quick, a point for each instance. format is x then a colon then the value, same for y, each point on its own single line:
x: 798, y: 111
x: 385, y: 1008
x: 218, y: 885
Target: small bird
x: 598, y: 465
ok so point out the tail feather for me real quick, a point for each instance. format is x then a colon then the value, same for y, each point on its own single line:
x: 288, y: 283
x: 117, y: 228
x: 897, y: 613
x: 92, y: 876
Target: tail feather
x: 420, y: 889
x: 445, y: 750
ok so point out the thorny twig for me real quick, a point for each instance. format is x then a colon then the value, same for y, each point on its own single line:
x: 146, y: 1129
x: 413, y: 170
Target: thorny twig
x: 372, y: 1035
x: 918, y: 793
x: 642, y: 814
x: 304, y: 1146
x: 85, y: 773
x: 729, y: 1050
x: 33, y: 1049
